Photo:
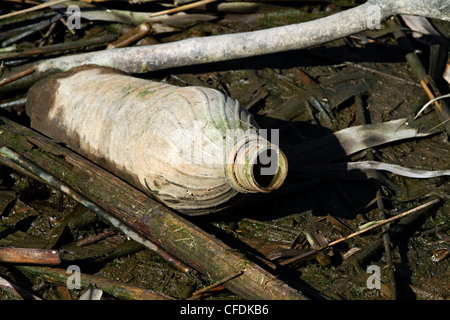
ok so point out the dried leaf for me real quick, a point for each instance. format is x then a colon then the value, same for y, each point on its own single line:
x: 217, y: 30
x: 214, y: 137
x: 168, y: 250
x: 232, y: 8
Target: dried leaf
x: 91, y: 293
x: 352, y: 140
x: 423, y: 30
x: 312, y: 241
x: 439, y: 255
x: 375, y: 165
x: 316, y: 240
x: 446, y: 74
x: 351, y: 252
x: 323, y: 259
x: 320, y: 239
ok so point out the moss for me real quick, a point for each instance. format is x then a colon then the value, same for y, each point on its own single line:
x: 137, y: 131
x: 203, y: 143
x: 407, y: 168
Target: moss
x: 143, y: 93
x: 144, y: 66
x: 128, y: 90
x: 228, y: 129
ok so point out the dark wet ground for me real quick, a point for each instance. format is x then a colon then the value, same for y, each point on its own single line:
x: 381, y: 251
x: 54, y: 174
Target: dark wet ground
x: 279, y: 90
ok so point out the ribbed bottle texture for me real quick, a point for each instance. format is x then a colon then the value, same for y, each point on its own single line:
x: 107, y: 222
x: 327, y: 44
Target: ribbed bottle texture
x: 195, y: 149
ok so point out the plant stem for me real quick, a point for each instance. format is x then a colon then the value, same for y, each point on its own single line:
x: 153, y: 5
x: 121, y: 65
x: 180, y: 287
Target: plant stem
x: 357, y: 233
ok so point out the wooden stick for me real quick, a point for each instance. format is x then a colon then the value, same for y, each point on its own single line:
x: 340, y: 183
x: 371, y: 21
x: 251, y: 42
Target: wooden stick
x: 38, y: 7
x: 131, y: 36
x: 118, y: 289
x: 27, y: 255
x: 218, y: 283
x: 18, y: 75
x: 398, y: 232
x: 55, y: 48
x: 98, y: 237
x: 382, y: 223
x: 23, y: 1
x: 64, y: 22
x: 181, y: 8
x: 200, y: 50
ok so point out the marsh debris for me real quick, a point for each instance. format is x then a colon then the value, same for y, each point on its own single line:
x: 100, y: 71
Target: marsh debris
x: 305, y: 94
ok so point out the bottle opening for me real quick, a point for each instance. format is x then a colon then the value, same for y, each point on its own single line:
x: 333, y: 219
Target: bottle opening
x: 270, y: 169
x: 263, y: 180
x: 256, y: 166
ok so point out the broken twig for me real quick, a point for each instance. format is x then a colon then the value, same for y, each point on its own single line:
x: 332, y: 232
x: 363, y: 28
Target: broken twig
x: 181, y: 8
x: 218, y: 283
x: 37, y: 7
x: 98, y: 237
x: 18, y: 75
x: 29, y: 255
x: 116, y: 288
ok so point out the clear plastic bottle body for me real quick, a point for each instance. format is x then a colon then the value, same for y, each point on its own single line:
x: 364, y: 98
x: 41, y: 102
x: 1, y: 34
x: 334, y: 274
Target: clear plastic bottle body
x: 171, y: 142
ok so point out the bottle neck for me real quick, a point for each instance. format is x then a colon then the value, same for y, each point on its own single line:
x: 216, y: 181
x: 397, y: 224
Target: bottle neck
x: 255, y: 165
